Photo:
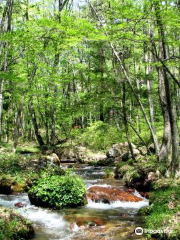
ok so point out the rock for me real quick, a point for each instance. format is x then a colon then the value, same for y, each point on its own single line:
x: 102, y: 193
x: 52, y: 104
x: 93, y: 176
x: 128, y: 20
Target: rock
x: 108, y: 195
x: 79, y: 154
x: 20, y: 205
x: 130, y: 190
x: 87, y: 155
x: 152, y: 176
x: 6, y: 186
x: 126, y: 156
x: 143, y: 150
x: 53, y: 158
x: 84, y: 222
x: 151, y: 148
x: 120, y: 151
x: 144, y: 194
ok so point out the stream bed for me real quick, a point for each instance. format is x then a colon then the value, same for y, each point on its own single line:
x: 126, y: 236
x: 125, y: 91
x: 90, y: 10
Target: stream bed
x: 115, y: 221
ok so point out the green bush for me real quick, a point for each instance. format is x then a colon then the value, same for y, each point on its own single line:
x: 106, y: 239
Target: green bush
x: 58, y: 191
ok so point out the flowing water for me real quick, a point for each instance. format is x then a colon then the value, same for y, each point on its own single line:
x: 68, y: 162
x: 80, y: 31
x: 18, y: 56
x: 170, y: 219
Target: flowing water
x: 97, y: 221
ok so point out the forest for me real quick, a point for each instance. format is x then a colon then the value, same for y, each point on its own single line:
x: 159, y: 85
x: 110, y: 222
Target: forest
x: 89, y: 119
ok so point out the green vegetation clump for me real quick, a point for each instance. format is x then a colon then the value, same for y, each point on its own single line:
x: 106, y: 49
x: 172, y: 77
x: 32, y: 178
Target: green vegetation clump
x: 13, y: 226
x: 164, y: 213
x: 99, y: 136
x: 58, y: 191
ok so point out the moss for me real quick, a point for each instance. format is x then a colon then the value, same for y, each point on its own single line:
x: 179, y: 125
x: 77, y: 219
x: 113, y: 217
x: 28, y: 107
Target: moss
x: 13, y: 226
x: 164, y: 213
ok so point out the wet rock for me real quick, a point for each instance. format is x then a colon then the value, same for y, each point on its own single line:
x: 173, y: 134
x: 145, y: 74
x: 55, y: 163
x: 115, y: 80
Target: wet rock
x: 20, y: 205
x: 85, y: 222
x: 130, y: 190
x: 110, y: 194
x: 144, y: 194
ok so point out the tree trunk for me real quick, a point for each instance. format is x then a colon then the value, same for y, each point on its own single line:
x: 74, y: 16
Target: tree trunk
x: 126, y: 122
x: 174, y: 169
x: 17, y: 124
x: 35, y: 124
x: 1, y: 107
x: 165, y: 149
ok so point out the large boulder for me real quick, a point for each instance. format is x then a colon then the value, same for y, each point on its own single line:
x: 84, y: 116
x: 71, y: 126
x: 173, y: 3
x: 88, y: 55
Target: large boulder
x: 66, y: 155
x: 51, y: 159
x: 82, y: 153
x: 120, y: 151
x: 79, y: 154
x: 110, y: 194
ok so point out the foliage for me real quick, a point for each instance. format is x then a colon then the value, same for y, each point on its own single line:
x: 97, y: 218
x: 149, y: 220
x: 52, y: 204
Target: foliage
x: 163, y: 213
x: 99, y: 136
x: 58, y: 191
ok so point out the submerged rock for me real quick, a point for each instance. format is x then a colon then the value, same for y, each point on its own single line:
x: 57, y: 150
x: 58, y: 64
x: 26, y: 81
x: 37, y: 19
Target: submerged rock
x: 20, y: 205
x: 84, y: 222
x: 110, y: 194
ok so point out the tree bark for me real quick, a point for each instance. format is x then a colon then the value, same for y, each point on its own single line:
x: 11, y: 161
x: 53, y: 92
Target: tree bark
x: 35, y: 124
x: 126, y: 122
x: 174, y: 169
x: 17, y: 124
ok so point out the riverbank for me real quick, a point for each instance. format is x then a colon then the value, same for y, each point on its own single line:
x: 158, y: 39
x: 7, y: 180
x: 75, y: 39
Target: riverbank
x: 96, y: 220
x: 104, y: 215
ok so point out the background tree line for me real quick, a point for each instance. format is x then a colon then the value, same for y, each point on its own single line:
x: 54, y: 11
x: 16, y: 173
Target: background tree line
x: 110, y: 66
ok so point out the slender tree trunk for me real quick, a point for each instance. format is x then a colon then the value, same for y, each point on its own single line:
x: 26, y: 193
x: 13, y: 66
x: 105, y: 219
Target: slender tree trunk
x: 126, y: 122
x: 35, y: 124
x: 17, y: 124
x: 1, y: 107
x: 165, y: 149
x: 53, y: 119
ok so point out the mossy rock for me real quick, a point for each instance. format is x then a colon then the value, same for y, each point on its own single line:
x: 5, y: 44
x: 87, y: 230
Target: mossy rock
x: 13, y: 226
x: 58, y: 191
x: 6, y: 185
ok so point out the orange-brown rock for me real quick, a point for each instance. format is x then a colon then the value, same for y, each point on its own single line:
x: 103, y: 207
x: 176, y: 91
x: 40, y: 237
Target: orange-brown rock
x: 110, y: 194
x: 85, y: 222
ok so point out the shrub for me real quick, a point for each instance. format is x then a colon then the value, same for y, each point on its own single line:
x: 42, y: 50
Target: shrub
x: 58, y: 191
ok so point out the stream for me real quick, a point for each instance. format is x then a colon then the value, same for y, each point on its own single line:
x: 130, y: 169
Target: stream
x: 116, y: 221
